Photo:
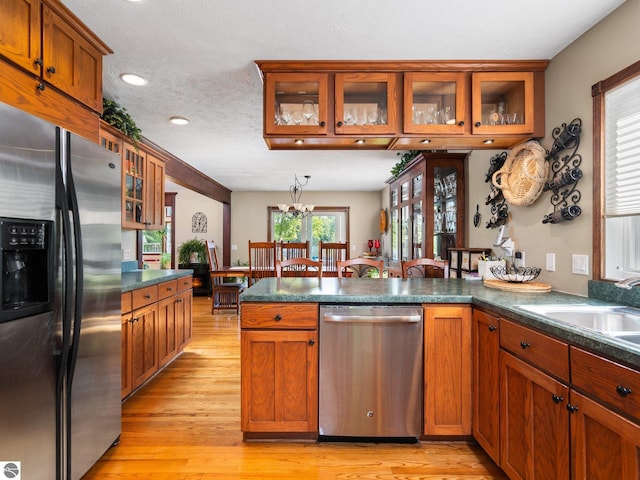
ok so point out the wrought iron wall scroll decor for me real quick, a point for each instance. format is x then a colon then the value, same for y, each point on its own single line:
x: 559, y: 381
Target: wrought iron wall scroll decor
x: 499, y: 207
x: 565, y: 173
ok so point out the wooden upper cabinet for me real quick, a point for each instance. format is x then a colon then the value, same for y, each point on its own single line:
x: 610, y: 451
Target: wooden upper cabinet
x: 435, y: 102
x: 402, y: 105
x: 296, y: 103
x: 20, y: 33
x: 154, y: 201
x: 365, y: 103
x: 70, y: 62
x: 133, y: 187
x: 503, y: 103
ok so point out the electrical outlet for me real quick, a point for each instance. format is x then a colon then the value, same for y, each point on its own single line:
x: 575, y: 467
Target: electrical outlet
x: 234, y: 247
x: 126, y: 254
x: 551, y: 262
x: 580, y: 264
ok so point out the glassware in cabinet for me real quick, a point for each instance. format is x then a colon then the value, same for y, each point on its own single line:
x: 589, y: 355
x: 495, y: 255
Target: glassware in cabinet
x: 365, y: 103
x: 502, y: 102
x: 434, y: 102
x: 296, y: 103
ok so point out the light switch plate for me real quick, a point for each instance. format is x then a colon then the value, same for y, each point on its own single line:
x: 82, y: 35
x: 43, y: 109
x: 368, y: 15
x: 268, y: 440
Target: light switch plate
x: 580, y: 264
x: 551, y: 262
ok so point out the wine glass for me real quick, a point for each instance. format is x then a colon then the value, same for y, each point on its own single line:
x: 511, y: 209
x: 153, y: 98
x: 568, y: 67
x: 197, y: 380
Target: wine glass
x: 370, y: 243
x: 372, y: 117
x: 296, y: 116
x: 308, y: 111
x: 285, y: 116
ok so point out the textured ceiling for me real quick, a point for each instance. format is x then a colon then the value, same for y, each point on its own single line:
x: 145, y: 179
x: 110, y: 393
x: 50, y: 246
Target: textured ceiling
x: 198, y: 56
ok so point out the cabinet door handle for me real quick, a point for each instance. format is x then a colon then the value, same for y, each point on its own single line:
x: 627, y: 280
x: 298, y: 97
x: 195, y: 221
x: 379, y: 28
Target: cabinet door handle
x: 277, y: 318
x: 524, y: 345
x: 492, y: 328
x: 322, y: 124
x: 51, y: 69
x: 134, y: 320
x: 147, y: 296
x: 179, y: 300
x: 339, y: 124
x: 556, y: 398
x: 40, y: 86
x: 623, y: 391
x: 461, y: 123
x: 572, y: 408
x: 312, y: 342
x: 170, y: 289
x: 478, y: 124
x: 37, y: 61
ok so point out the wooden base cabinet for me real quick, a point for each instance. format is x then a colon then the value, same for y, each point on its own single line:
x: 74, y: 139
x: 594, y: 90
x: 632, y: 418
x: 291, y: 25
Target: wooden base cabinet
x: 534, y: 423
x: 279, y: 368
x: 486, y: 382
x: 604, y: 445
x: 144, y: 344
x: 447, y: 370
x: 184, y: 306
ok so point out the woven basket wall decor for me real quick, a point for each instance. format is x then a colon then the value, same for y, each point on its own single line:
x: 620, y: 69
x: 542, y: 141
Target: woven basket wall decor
x: 523, y: 175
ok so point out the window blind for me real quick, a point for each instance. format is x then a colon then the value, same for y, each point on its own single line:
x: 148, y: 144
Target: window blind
x: 622, y: 150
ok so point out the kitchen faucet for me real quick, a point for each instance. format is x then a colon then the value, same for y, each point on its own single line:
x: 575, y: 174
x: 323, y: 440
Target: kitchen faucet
x: 628, y: 283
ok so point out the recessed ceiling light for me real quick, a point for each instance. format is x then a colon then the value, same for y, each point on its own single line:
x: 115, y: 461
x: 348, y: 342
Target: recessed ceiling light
x: 179, y: 120
x: 488, y: 141
x: 133, y: 79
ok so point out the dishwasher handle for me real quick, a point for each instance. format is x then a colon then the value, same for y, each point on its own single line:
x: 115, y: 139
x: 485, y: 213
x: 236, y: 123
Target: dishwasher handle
x: 372, y: 318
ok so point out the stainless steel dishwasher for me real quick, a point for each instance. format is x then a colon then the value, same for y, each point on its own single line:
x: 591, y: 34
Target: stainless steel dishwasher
x: 370, y: 372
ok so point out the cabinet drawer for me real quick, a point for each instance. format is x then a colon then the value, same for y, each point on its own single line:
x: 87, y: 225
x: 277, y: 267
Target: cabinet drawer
x: 536, y: 348
x: 126, y: 302
x: 145, y: 296
x: 185, y: 283
x: 279, y: 315
x: 611, y: 382
x: 166, y: 289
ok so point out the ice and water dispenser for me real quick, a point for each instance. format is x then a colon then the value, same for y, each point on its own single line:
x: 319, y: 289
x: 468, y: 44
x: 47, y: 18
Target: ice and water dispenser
x: 26, y: 251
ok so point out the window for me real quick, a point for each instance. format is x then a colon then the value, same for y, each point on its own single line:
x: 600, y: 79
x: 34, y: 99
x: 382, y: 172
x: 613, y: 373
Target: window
x: 329, y: 224
x: 617, y: 175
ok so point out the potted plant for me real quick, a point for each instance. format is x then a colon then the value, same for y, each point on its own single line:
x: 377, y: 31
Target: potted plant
x: 118, y: 117
x: 192, y: 251
x: 165, y: 261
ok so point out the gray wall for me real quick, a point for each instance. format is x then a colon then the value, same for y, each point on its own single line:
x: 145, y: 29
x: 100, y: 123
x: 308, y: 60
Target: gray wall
x: 608, y: 47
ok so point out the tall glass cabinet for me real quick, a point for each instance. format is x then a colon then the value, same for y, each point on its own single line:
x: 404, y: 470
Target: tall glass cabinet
x: 427, y: 207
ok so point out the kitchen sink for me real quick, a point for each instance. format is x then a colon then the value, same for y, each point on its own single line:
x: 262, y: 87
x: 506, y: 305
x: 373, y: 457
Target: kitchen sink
x: 617, y: 321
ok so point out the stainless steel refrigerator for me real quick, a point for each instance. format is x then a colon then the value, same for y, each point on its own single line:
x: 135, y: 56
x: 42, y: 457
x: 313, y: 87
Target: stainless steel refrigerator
x: 60, y: 341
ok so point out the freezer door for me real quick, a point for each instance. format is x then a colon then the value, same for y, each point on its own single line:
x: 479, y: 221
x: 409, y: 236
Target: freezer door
x: 95, y: 391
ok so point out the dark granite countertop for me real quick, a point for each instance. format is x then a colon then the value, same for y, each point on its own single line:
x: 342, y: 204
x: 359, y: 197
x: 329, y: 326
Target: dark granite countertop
x: 427, y: 290
x: 135, y: 279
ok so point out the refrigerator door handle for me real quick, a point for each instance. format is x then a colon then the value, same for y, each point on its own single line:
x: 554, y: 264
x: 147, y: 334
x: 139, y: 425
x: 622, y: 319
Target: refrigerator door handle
x: 62, y: 212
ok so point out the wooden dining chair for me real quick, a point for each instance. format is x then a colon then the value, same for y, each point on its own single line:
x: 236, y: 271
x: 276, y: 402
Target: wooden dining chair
x: 424, y: 268
x: 262, y: 260
x: 298, y: 267
x: 289, y: 250
x: 360, y: 267
x: 223, y: 295
x: 330, y: 253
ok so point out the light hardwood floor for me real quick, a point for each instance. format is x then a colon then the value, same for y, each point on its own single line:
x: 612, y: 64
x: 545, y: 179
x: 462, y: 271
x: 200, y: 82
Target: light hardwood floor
x: 185, y: 424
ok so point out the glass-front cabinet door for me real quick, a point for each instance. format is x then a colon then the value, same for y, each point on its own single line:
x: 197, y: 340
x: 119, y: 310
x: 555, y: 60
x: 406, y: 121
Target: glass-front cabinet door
x: 365, y: 103
x: 502, y: 102
x: 394, y: 225
x: 296, y: 103
x: 133, y: 178
x: 434, y: 102
x: 446, y: 178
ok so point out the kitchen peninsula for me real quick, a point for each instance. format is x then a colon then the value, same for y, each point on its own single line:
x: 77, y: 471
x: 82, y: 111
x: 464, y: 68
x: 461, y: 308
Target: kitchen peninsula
x: 491, y: 370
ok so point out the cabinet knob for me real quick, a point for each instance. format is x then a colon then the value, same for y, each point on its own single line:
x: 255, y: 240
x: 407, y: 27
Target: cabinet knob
x: 461, y: 123
x: 51, y: 69
x: 524, y: 345
x: 40, y: 86
x: 492, y: 328
x: 572, y: 408
x: 37, y: 61
x: 147, y: 296
x: 322, y: 124
x: 478, y: 124
x: 623, y: 391
x: 277, y: 318
x: 312, y: 342
x: 339, y: 124
x: 556, y: 398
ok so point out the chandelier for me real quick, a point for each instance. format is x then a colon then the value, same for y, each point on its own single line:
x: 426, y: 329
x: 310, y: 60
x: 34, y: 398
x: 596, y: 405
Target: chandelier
x: 300, y: 210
